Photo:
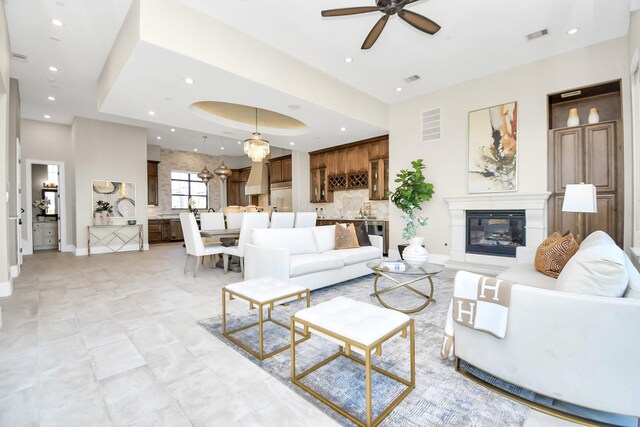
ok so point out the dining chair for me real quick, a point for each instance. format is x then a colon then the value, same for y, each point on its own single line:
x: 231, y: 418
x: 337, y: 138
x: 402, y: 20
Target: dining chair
x: 282, y: 219
x: 194, y: 244
x: 234, y: 219
x: 305, y: 219
x: 211, y: 221
x: 250, y: 221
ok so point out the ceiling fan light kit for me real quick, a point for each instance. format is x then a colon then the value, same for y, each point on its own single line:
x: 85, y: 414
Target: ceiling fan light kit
x: 388, y: 7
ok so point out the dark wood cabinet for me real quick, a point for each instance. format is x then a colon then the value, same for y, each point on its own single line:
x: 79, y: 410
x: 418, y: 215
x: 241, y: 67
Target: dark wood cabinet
x: 152, y: 182
x: 287, y: 170
x: 280, y: 170
x: 351, y: 166
x: 235, y: 188
x: 590, y: 154
x: 155, y: 230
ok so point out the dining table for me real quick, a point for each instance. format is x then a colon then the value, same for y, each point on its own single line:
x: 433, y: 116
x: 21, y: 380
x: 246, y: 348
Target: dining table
x: 228, y: 237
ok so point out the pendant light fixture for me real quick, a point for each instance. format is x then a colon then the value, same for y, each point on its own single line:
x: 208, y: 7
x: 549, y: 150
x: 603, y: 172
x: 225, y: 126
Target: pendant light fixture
x: 222, y: 171
x: 205, y: 175
x: 256, y: 147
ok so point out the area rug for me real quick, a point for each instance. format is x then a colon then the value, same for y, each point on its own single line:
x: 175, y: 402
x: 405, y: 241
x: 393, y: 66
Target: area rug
x: 441, y: 397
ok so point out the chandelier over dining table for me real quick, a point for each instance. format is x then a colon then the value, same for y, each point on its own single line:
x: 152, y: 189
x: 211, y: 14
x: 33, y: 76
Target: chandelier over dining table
x: 256, y: 147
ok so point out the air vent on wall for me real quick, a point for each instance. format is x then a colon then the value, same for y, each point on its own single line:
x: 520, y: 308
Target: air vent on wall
x: 411, y: 79
x: 19, y: 56
x: 537, y: 34
x: 431, y: 125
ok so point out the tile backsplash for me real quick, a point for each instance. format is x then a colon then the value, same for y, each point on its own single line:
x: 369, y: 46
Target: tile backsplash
x: 346, y: 204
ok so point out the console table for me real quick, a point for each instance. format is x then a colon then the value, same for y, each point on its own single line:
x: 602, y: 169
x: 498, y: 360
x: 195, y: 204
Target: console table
x: 110, y: 233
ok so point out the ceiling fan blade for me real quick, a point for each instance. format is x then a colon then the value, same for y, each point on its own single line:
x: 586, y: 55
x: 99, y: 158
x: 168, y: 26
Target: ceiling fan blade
x: 375, y: 32
x: 419, y: 22
x: 350, y: 11
x: 406, y: 2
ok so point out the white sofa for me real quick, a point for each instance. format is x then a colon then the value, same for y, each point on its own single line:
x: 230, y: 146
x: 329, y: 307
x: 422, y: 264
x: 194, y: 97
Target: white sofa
x: 307, y: 256
x: 577, y: 348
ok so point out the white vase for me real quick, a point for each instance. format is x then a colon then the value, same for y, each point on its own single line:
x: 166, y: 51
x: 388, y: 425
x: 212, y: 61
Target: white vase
x: 573, y: 119
x: 594, y: 117
x: 414, y: 254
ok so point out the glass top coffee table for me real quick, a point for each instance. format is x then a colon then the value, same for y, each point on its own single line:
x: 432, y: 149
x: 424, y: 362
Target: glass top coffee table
x: 398, y: 273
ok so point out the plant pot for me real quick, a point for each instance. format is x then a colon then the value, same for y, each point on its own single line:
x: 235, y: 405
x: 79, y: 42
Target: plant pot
x: 415, y: 254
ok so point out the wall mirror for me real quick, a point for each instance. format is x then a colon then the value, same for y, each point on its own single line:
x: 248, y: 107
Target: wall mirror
x: 52, y: 196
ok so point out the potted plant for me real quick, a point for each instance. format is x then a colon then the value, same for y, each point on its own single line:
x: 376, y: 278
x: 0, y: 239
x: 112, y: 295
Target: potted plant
x: 412, y: 191
x: 102, y: 212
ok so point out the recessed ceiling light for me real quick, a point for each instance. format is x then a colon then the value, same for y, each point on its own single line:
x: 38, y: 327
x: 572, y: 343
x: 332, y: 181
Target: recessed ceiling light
x: 158, y: 137
x: 46, y: 116
x: 57, y: 22
x: 292, y: 143
x: 173, y: 130
x: 52, y: 68
x: 239, y: 142
x: 343, y: 129
x: 572, y: 31
x: 189, y: 80
x: 152, y: 113
x: 222, y: 148
x: 51, y: 98
x: 398, y: 89
x: 195, y: 149
x: 348, y: 60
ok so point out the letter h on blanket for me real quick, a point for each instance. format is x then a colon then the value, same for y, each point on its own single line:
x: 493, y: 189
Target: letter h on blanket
x: 479, y: 302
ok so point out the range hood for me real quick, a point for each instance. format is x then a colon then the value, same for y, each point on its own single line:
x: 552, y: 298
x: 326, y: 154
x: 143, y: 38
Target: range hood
x: 258, y: 182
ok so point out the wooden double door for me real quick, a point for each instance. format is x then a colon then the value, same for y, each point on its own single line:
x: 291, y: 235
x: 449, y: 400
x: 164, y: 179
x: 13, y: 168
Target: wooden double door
x: 591, y: 154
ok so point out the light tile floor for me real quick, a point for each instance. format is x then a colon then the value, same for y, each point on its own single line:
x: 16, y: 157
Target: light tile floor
x: 112, y: 340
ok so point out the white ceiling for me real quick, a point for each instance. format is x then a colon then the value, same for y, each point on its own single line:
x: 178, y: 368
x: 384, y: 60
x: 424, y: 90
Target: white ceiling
x: 477, y: 38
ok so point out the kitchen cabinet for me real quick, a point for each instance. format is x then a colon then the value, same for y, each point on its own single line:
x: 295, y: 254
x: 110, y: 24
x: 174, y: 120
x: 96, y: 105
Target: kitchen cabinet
x: 235, y: 188
x: 378, y: 179
x: 320, y: 186
x: 152, y: 182
x: 164, y: 230
x: 350, y: 167
x: 280, y: 170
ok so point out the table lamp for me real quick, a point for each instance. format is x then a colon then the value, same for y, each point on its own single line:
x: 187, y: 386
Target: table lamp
x: 580, y: 198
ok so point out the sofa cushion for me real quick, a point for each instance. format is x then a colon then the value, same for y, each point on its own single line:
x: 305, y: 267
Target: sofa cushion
x: 633, y: 288
x: 362, y: 235
x: 596, y: 269
x: 311, y: 263
x: 325, y: 237
x: 526, y: 274
x: 346, y: 237
x: 355, y: 255
x: 598, y: 237
x: 296, y: 240
x: 554, y: 253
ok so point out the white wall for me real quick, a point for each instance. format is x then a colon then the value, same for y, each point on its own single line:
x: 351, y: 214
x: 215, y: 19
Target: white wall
x: 50, y: 141
x: 529, y: 85
x: 107, y: 151
x: 5, y: 61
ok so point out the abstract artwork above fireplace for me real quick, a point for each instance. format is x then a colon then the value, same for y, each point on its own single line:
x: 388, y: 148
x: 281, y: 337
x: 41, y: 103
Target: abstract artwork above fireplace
x: 493, y: 149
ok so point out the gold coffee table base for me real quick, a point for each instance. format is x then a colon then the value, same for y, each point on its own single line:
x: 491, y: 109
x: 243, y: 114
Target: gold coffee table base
x: 399, y: 284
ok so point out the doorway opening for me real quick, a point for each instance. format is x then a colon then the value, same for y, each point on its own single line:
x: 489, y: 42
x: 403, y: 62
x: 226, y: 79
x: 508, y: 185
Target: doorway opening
x: 45, y: 206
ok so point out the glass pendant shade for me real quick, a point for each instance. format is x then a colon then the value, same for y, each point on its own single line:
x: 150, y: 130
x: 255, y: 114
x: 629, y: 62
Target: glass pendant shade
x: 256, y: 147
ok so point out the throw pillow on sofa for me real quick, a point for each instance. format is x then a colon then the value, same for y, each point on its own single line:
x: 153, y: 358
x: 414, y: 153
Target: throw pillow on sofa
x: 598, y: 268
x: 554, y: 253
x: 633, y: 289
x: 362, y: 235
x: 346, y: 237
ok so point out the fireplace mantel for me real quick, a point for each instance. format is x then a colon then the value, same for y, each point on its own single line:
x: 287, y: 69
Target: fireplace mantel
x: 534, y: 205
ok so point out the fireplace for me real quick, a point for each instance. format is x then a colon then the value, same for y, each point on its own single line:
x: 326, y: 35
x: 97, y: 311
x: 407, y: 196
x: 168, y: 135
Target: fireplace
x: 495, y: 232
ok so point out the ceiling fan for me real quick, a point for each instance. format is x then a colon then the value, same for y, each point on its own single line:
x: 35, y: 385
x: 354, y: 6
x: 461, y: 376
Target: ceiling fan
x: 388, y: 7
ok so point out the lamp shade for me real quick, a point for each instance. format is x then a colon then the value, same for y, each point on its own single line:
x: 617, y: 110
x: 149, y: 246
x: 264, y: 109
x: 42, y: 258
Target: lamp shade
x: 580, y: 198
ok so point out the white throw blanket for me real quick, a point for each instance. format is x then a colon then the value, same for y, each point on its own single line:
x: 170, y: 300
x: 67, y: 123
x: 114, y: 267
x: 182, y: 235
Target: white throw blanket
x: 479, y: 302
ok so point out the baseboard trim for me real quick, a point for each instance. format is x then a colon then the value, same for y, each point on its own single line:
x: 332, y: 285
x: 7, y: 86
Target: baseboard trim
x: 105, y: 250
x: 26, y: 248
x: 15, y: 270
x: 6, y: 288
